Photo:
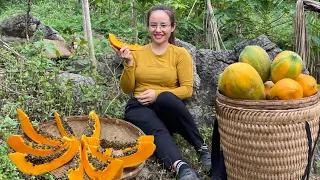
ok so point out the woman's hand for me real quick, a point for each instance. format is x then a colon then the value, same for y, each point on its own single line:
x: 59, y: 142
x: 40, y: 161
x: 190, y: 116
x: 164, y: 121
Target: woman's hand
x: 147, y: 97
x: 125, y: 54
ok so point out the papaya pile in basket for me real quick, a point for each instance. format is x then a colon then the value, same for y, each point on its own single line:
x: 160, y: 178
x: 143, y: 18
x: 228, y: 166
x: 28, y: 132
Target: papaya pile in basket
x: 39, y: 152
x: 255, y: 77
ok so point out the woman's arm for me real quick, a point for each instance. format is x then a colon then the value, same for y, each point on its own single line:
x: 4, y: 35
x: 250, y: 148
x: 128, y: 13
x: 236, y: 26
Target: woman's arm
x: 127, y: 80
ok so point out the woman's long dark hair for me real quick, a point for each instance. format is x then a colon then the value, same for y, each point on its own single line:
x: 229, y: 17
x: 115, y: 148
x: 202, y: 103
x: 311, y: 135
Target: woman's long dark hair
x: 170, y: 13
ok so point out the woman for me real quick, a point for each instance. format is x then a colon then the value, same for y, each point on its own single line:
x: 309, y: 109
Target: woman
x: 161, y: 75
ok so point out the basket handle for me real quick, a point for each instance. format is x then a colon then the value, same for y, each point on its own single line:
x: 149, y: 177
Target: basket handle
x: 217, y: 159
x: 310, y: 150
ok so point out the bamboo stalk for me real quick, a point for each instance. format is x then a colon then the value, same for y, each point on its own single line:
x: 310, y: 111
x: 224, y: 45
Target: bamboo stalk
x: 300, y: 34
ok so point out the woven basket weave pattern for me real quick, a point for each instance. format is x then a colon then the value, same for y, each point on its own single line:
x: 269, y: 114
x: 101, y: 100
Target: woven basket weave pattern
x: 262, y: 142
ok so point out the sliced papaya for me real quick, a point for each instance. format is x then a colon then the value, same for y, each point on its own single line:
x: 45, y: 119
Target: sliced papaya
x: 35, y: 133
x: 76, y: 170
x: 121, y: 145
x: 18, y: 144
x: 118, y: 44
x: 98, y: 170
x: 130, y: 158
x: 35, y: 165
x: 93, y: 126
x: 63, y: 126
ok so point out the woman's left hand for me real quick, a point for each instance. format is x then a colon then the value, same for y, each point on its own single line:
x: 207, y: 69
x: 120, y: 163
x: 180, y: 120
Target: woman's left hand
x: 147, y: 97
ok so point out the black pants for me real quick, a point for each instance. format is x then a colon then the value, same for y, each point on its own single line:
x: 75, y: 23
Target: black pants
x: 167, y: 115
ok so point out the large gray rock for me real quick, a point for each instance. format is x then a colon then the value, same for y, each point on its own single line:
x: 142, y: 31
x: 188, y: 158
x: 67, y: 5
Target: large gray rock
x: 208, y: 64
x: 14, y: 29
x: 78, y: 82
x: 61, y: 46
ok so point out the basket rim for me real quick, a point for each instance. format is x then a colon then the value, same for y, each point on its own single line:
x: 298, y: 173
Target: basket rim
x: 104, y: 119
x: 269, y: 104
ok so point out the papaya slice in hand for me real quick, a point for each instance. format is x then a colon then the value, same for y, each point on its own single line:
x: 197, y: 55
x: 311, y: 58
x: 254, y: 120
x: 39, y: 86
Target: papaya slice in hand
x: 118, y: 44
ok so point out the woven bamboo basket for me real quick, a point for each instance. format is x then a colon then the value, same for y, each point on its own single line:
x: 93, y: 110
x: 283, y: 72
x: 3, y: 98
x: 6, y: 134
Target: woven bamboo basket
x: 267, y: 139
x: 111, y: 129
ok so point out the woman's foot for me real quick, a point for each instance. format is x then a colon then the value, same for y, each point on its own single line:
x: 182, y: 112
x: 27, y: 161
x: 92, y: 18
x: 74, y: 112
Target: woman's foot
x: 205, y: 157
x: 185, y: 172
x: 188, y: 174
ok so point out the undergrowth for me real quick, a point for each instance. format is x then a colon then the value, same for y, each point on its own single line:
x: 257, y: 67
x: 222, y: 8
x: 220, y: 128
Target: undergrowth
x: 33, y: 83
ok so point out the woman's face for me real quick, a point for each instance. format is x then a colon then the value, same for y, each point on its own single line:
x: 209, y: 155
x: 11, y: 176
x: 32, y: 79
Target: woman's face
x: 160, y: 27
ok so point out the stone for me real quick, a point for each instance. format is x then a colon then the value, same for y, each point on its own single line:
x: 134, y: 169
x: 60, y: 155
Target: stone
x: 61, y: 46
x: 78, y: 82
x: 13, y: 29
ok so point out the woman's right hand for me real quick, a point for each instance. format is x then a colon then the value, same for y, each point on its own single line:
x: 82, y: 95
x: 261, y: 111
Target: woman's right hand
x: 125, y: 54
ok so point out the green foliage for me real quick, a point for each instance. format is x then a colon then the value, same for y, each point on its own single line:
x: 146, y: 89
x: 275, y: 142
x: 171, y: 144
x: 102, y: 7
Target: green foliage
x: 40, y: 90
x: 313, y: 30
x: 8, y: 126
x: 273, y: 18
x: 32, y: 83
x: 7, y: 169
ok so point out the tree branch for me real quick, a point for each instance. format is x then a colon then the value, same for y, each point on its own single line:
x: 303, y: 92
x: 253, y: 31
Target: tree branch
x: 15, y: 92
x: 7, y: 47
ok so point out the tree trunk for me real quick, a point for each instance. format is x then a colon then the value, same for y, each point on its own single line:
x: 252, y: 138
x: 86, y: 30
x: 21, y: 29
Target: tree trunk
x: 134, y: 21
x: 120, y: 9
x: 84, y: 24
x: 212, y: 33
x: 89, y: 33
x: 28, y: 19
x: 239, y: 30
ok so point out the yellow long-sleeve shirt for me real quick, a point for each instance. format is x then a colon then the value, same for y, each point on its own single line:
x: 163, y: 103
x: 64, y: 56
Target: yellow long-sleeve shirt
x: 171, y: 71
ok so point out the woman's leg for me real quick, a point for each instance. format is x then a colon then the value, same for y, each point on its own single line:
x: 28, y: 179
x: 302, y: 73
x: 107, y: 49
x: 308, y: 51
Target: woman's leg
x: 147, y: 120
x: 177, y: 118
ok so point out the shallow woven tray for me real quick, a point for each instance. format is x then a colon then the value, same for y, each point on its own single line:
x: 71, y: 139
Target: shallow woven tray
x: 266, y: 139
x: 111, y: 129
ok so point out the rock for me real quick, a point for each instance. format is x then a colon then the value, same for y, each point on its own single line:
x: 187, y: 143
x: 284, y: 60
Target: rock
x: 110, y: 66
x: 192, y: 50
x: 49, y: 32
x: 261, y: 41
x: 78, y: 82
x: 80, y: 63
x: 13, y: 29
x: 61, y: 46
x: 16, y: 26
x: 144, y: 174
